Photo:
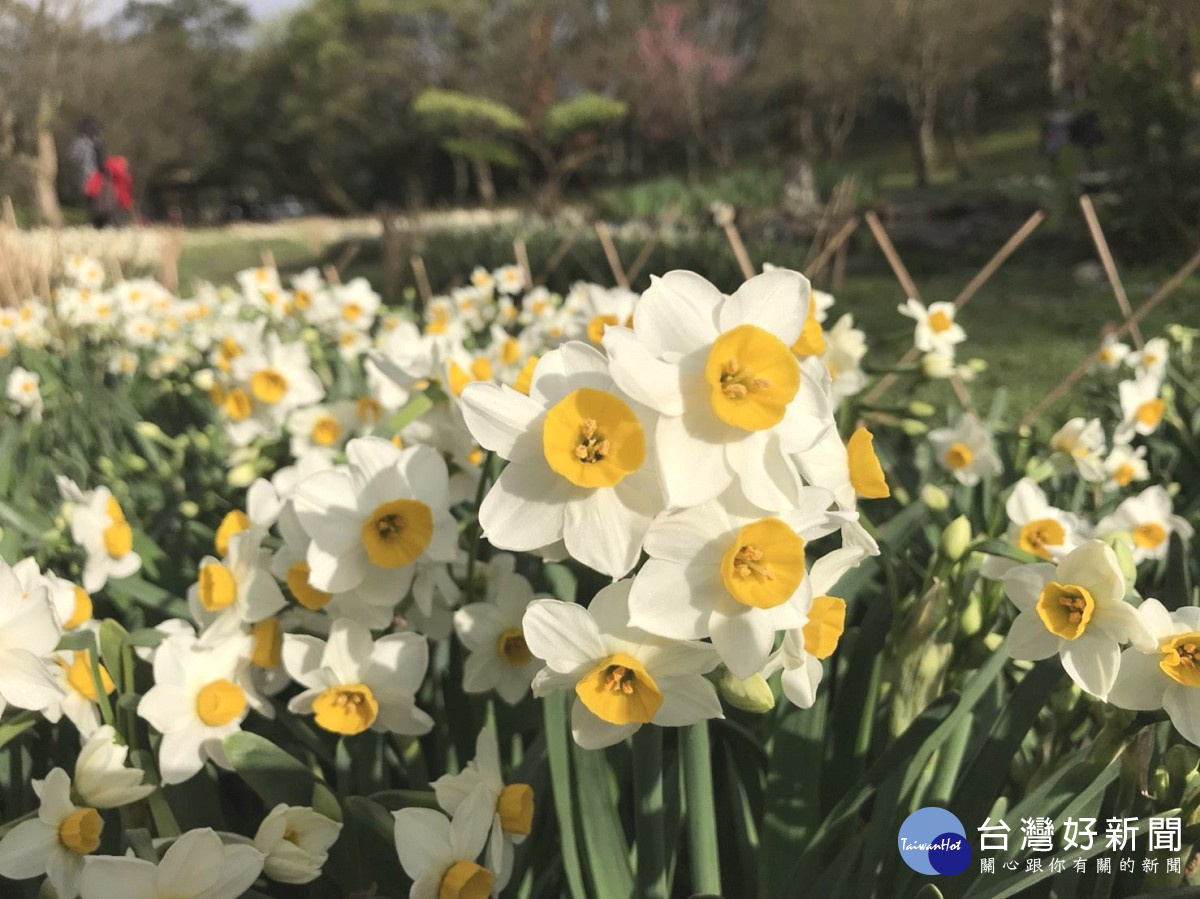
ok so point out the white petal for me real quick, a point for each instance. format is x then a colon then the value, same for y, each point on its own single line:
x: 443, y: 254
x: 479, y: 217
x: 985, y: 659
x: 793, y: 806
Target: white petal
x: 422, y: 836
x: 107, y: 876
x: 192, y: 864
x: 525, y: 508
x: 498, y: 416
x: 776, y: 301
x: 239, y: 869
x: 26, y: 848
x: 471, y: 823
x: 743, y: 639
x: 24, y: 681
x: 664, y: 600
x: 1092, y: 661
x: 1140, y: 683
x: 562, y: 634
x: 603, y: 533
x: 677, y: 313
x: 1028, y: 638
x: 591, y: 732
x: 691, y: 460
x: 641, y: 374
x: 1183, y: 705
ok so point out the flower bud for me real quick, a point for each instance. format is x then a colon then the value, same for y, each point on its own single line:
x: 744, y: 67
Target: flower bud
x: 970, y: 622
x: 241, y: 475
x: 921, y: 409
x: 936, y: 366
x: 204, y: 379
x: 934, y: 497
x: 912, y: 427
x: 956, y: 538
x: 189, y: 509
x: 977, y: 365
x: 750, y: 695
x: 1122, y: 545
x: 134, y: 463
x: 148, y: 430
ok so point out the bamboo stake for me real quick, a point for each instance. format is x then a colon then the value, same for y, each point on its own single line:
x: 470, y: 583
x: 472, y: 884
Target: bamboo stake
x: 10, y: 214
x: 832, y: 246
x: 643, y: 256
x: 560, y: 252
x: 893, y: 258
x: 1110, y: 265
x: 1082, y: 368
x: 965, y: 295
x: 610, y: 253
x: 422, y: 277
x: 521, y: 252
x: 739, y: 250
x: 348, y: 255
x: 268, y: 258
x: 332, y: 275
x: 170, y: 261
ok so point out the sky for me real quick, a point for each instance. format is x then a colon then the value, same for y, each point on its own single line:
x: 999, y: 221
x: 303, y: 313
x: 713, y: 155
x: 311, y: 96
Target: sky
x: 261, y: 8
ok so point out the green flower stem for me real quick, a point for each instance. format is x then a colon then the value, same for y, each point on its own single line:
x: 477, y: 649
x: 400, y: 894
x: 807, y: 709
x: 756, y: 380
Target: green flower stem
x: 648, y: 829
x: 701, y: 813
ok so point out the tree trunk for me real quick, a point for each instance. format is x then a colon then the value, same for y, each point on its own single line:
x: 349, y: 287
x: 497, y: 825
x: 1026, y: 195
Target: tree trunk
x: 924, y: 146
x: 462, y: 180
x: 484, y: 181
x: 45, y: 167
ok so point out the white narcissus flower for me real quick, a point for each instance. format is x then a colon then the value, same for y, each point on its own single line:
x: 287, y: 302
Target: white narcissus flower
x: 202, y: 692
x: 966, y: 450
x: 1112, y: 353
x: 1083, y: 440
x: 54, y: 843
x: 354, y: 684
x: 240, y: 585
x: 805, y: 647
x: 263, y: 504
x: 1076, y: 609
x: 295, y: 841
x: 196, y: 866
x: 73, y: 674
x: 322, y: 429
x: 102, y: 779
x: 509, y: 811
x: 1151, y: 360
x: 721, y: 373
x: 440, y: 854
x: 98, y: 525
x: 622, y: 676
x: 728, y: 571
x: 491, y: 631
x: 23, y: 393
x: 1124, y: 465
x: 1035, y: 527
x: 28, y: 634
x: 581, y: 461
x: 1142, y: 408
x: 1151, y: 520
x: 1166, y: 674
x: 845, y: 347
x: 370, y: 522
x: 936, y: 330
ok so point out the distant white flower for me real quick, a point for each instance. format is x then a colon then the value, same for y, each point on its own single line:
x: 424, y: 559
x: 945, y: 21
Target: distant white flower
x: 240, y: 585
x: 966, y: 450
x: 98, y: 524
x: 491, y: 631
x: 936, y: 330
x: 1151, y: 360
x: 1112, y: 353
x: 1125, y: 465
x: 1082, y: 440
x: 1142, y: 408
x: 23, y: 393
x: 102, y: 779
x: 1150, y: 518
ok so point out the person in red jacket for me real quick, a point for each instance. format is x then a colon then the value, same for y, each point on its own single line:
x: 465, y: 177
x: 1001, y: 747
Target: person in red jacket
x: 109, y: 191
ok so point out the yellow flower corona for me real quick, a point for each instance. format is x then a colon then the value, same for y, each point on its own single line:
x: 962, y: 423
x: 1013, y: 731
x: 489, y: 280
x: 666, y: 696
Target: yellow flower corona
x: 515, y: 807
x: 267, y: 651
x: 1065, y: 609
x: 1181, y: 659
x: 958, y: 455
x: 326, y: 431
x: 82, y: 610
x: 80, y: 831
x: 593, y: 439
x: 752, y: 377
x: 826, y: 622
x: 346, y: 709
x: 1150, y: 413
x: 118, y: 538
x: 466, y: 880
x: 233, y: 523
x: 596, y: 327
x: 811, y: 341
x: 306, y: 594
x: 1149, y: 535
x: 524, y: 378
x: 1040, y: 533
x: 79, y: 676
x: 397, y: 532
x: 220, y: 702
x: 216, y: 588
x: 620, y: 690
x: 940, y: 322
x: 866, y: 474
x: 511, y: 647
x: 764, y: 565
x: 269, y: 386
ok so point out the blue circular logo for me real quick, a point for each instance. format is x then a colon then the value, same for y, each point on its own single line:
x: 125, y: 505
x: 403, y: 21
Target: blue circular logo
x: 933, y: 841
